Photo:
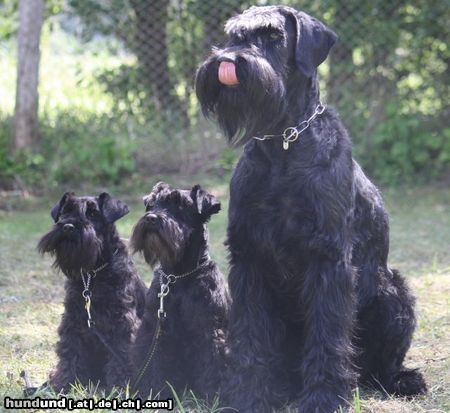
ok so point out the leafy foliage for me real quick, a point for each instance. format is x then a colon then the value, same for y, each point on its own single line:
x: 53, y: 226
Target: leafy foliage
x: 99, y: 157
x: 412, y: 148
x: 130, y: 105
x: 8, y: 18
x: 71, y: 153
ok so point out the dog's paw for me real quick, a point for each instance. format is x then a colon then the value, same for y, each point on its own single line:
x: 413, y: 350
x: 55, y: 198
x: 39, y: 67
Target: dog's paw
x: 408, y: 382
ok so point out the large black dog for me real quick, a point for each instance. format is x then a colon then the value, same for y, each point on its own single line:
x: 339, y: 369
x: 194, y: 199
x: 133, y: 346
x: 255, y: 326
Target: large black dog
x: 315, y: 304
x: 104, y: 299
x: 182, y: 339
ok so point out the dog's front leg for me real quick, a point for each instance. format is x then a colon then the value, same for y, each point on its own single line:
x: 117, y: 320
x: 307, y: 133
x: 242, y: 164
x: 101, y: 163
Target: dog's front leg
x: 255, y: 380
x: 118, y: 367
x: 326, y: 365
x: 74, y: 362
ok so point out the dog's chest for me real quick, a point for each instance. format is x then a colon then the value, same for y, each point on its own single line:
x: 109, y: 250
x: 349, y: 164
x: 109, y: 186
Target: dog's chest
x: 274, y: 212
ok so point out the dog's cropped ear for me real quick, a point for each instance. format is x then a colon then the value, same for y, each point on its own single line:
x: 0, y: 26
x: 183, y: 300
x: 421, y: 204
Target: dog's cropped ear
x: 112, y: 208
x: 205, y: 203
x: 159, y: 186
x: 56, y: 210
x: 314, y: 41
x: 148, y: 199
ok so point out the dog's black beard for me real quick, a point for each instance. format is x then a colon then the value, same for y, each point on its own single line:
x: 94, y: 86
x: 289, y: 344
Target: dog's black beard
x: 254, y: 107
x: 164, y: 244
x: 82, y: 249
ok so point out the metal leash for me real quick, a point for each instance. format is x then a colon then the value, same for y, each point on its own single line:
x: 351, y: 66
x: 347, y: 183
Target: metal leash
x: 164, y: 291
x: 150, y: 355
x: 86, y: 277
x: 292, y: 133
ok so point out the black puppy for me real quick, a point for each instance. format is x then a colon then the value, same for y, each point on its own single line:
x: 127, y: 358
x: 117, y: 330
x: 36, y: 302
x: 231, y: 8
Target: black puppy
x: 182, y: 337
x: 308, y: 233
x: 104, y: 298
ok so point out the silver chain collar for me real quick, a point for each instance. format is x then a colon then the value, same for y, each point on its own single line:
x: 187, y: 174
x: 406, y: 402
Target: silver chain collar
x: 292, y: 133
x: 170, y: 279
x: 86, y: 277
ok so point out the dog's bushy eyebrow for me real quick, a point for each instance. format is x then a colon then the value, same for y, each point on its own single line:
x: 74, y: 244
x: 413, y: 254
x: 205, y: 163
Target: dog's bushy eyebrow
x: 241, y: 26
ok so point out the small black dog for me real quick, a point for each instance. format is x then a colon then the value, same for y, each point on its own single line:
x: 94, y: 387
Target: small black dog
x: 182, y: 337
x: 308, y: 233
x: 104, y: 299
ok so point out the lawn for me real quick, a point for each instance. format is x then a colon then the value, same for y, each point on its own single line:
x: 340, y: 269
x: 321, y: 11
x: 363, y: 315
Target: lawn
x: 31, y: 291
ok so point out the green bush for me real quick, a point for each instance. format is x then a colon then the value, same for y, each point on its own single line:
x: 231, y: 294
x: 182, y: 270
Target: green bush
x: 97, y: 150
x: 6, y: 162
x: 73, y: 151
x: 405, y: 148
x: 91, y: 149
x: 22, y: 167
x: 228, y: 159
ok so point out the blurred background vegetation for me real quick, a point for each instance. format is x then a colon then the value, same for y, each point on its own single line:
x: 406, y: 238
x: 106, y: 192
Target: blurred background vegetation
x: 116, y: 99
x: 114, y: 109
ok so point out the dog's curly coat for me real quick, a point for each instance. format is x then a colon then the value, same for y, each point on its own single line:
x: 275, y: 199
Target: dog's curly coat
x: 315, y: 304
x: 191, y: 350
x: 84, y: 238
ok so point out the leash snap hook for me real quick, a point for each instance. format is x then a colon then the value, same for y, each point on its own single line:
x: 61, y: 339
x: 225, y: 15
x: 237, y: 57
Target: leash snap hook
x: 161, y: 314
x: 164, y: 291
x: 87, y: 306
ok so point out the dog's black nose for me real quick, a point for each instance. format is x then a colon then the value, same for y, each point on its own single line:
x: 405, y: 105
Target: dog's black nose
x: 68, y: 228
x: 226, y: 57
x: 151, y: 218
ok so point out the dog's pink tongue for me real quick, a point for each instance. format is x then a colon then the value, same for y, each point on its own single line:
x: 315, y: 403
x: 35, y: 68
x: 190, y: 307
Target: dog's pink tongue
x: 227, y: 74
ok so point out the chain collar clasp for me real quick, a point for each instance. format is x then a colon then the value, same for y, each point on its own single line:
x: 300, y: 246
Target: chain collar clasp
x: 165, y: 281
x: 291, y: 133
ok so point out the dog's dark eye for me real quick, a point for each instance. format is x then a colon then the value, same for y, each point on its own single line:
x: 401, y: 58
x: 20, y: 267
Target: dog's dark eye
x: 236, y: 38
x: 275, y: 36
x: 92, y: 213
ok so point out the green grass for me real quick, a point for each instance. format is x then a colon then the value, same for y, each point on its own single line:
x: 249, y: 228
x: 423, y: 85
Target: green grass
x: 31, y: 293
